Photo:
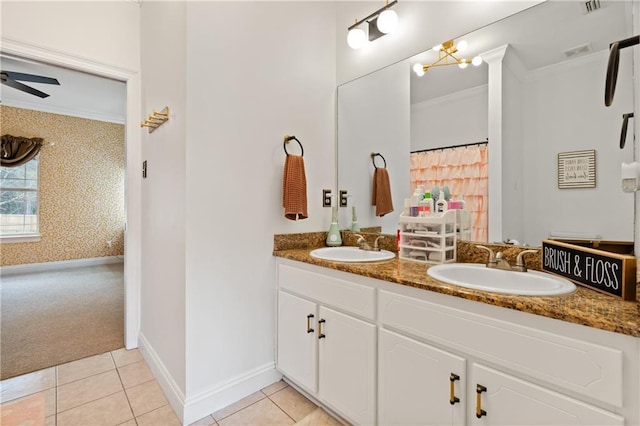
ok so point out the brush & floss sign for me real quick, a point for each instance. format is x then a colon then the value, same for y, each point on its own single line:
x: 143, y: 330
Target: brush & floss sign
x: 606, y: 272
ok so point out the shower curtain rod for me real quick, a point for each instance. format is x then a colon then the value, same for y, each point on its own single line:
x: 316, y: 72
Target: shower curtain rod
x: 451, y: 146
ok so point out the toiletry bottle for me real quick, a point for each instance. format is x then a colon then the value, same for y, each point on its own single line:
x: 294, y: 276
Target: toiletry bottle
x: 354, y: 220
x: 441, y: 204
x: 435, y: 193
x: 334, y: 238
x: 446, y: 192
x: 425, y: 207
x: 415, y: 200
x: 407, y: 207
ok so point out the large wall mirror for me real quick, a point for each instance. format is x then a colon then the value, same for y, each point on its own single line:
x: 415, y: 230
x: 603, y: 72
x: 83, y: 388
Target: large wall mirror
x: 542, y: 97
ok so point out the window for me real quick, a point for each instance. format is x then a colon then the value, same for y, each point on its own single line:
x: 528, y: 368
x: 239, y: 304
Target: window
x: 19, y: 200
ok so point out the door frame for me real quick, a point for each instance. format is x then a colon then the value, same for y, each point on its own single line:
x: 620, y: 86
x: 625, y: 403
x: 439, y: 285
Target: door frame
x: 133, y: 159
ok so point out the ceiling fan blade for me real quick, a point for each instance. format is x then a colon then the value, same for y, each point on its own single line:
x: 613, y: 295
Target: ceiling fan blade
x: 30, y: 77
x: 24, y: 88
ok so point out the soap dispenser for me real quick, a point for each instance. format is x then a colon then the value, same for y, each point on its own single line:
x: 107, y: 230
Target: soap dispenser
x: 334, y: 238
x: 354, y: 220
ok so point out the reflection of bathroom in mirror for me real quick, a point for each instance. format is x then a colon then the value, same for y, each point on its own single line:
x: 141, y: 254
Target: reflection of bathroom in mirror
x: 539, y: 93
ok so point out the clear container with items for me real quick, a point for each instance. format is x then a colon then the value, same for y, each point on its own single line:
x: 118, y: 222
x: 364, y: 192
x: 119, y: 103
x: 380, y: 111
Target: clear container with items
x: 430, y: 236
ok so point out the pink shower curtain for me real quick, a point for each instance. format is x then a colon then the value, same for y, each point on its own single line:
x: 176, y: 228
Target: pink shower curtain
x: 465, y: 171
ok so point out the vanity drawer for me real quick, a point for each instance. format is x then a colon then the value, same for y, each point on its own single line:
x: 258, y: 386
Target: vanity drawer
x: 589, y: 369
x: 346, y: 295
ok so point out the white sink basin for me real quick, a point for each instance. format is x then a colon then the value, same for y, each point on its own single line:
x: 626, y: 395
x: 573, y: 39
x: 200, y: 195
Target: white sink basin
x: 351, y: 254
x: 479, y: 277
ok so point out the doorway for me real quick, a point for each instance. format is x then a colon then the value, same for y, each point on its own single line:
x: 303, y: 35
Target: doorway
x: 132, y: 233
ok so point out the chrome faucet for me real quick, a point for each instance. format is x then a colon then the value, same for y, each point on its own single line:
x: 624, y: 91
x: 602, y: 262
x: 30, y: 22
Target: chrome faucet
x: 497, y: 260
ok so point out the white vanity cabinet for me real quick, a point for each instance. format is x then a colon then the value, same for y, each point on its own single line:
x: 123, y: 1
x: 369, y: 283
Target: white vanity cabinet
x: 347, y: 365
x: 497, y: 362
x: 323, y: 347
x: 419, y: 384
x: 387, y: 354
x: 297, y: 340
x: 502, y: 399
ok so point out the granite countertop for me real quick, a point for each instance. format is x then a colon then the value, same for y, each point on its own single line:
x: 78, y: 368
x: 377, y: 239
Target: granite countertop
x: 584, y: 306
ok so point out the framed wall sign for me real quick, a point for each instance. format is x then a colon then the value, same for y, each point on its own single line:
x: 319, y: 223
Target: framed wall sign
x: 577, y: 169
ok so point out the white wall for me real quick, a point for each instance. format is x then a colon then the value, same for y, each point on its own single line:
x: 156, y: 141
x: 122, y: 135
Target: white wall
x: 454, y: 119
x: 549, y: 128
x: 105, y: 32
x: 374, y: 116
x: 255, y: 72
x: 164, y: 195
x: 422, y: 24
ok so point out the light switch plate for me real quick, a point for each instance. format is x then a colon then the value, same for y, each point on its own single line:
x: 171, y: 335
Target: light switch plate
x: 326, y: 198
x: 343, y: 198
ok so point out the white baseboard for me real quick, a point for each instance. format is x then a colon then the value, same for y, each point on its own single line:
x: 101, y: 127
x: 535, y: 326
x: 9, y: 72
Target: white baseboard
x: 230, y: 391
x: 63, y: 264
x: 174, y: 395
x: 195, y: 407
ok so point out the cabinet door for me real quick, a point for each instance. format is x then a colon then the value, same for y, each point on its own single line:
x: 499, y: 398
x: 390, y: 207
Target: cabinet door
x: 347, y: 365
x: 415, y: 382
x: 297, y: 343
x: 511, y: 401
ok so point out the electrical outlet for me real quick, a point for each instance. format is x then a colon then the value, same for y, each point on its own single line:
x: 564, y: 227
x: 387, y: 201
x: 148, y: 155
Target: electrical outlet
x: 326, y: 198
x: 343, y: 198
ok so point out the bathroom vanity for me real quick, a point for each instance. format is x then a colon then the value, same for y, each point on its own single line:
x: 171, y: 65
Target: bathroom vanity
x: 383, y: 343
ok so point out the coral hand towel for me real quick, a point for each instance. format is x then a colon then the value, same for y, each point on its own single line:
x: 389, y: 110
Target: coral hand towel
x: 381, y: 197
x: 294, y: 188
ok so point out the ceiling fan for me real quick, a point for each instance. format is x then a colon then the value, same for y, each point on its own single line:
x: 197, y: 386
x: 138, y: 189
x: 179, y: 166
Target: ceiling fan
x: 10, y: 78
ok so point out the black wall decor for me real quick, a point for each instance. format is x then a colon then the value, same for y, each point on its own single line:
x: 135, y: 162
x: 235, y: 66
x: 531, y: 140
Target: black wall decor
x: 600, y: 270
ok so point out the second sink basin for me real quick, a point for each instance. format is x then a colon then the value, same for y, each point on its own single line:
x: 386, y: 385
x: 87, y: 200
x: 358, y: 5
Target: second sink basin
x: 479, y: 277
x: 351, y: 254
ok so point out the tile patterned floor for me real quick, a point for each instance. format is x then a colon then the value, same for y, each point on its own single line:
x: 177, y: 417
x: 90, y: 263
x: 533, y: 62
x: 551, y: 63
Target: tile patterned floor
x: 118, y: 389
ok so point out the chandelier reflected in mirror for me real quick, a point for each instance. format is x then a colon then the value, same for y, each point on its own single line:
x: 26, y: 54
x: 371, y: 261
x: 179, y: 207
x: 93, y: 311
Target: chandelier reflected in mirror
x: 447, y: 56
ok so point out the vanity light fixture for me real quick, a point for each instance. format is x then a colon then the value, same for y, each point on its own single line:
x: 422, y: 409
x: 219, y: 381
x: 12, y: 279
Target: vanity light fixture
x: 382, y: 21
x: 446, y: 56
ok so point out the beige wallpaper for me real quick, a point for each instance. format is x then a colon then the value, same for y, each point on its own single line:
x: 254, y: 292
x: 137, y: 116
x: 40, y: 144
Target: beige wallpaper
x: 81, y: 187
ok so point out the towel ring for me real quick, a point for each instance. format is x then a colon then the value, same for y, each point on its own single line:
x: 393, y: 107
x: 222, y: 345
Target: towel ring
x: 288, y: 138
x: 373, y: 159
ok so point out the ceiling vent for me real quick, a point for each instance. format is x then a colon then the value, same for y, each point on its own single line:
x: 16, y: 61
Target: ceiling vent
x: 578, y: 50
x: 592, y: 5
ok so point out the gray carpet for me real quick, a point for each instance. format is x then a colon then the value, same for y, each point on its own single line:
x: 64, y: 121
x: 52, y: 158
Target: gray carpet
x: 49, y: 318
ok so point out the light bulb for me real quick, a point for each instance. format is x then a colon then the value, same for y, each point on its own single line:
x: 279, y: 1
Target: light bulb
x: 462, y: 45
x: 463, y: 65
x: 418, y: 69
x: 387, y: 21
x: 356, y: 38
x: 437, y: 48
x: 476, y: 61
